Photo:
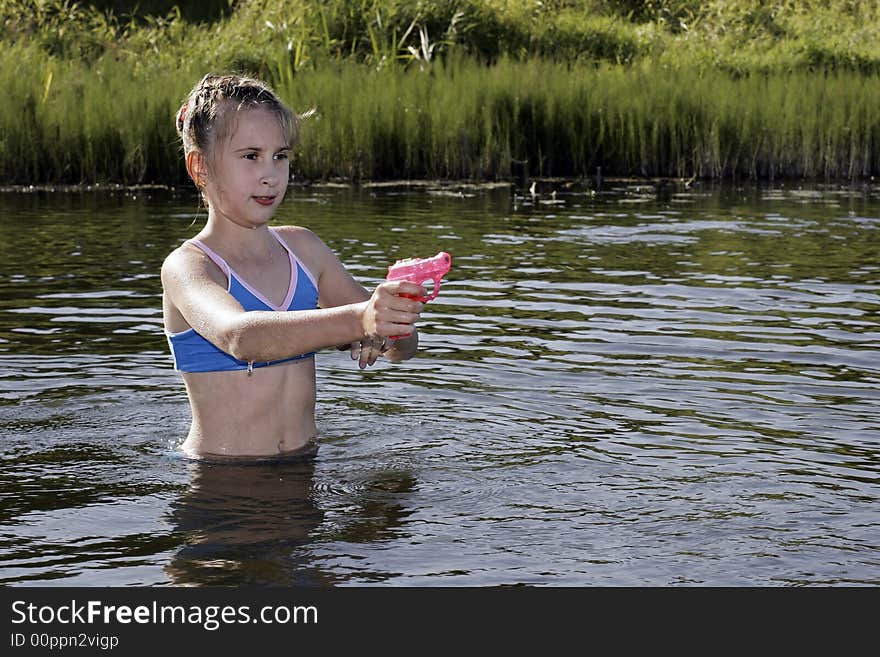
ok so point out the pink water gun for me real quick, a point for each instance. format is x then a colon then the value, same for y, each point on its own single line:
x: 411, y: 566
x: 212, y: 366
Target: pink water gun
x: 420, y: 271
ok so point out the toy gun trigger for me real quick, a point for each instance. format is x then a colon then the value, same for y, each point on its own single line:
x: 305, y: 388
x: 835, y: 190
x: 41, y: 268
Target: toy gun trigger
x: 433, y: 289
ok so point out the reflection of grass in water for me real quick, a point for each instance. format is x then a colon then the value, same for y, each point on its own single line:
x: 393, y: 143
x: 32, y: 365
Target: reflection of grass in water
x: 460, y: 119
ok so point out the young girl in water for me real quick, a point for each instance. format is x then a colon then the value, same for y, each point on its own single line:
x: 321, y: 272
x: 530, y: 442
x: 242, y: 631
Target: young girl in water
x: 246, y: 306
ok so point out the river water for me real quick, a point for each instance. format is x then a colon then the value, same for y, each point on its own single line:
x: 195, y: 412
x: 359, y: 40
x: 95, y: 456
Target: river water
x: 640, y: 386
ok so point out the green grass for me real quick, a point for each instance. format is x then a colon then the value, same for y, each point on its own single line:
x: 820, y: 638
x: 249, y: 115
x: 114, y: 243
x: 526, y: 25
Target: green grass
x: 469, y: 89
x: 69, y: 123
x: 466, y: 120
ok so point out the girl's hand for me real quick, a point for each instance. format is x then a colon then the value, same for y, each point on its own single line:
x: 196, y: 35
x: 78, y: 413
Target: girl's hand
x: 388, y: 313
x: 386, y: 316
x: 368, y: 350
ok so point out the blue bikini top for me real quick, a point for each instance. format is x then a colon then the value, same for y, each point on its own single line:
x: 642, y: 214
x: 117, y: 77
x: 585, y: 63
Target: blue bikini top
x: 193, y: 353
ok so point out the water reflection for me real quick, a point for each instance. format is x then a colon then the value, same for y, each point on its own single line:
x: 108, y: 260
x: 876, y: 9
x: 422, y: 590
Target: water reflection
x: 263, y: 524
x: 247, y: 524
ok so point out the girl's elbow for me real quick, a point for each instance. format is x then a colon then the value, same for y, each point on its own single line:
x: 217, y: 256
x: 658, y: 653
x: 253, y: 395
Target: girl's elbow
x: 237, y: 342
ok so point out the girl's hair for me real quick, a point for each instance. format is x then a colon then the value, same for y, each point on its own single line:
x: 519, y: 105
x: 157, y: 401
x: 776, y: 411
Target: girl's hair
x: 208, y: 112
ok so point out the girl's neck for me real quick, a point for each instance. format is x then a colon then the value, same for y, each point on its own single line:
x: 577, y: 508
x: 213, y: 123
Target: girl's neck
x: 237, y: 241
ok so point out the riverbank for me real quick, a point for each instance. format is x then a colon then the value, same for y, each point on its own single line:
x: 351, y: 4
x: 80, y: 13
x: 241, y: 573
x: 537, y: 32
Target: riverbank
x: 503, y: 92
x: 543, y: 189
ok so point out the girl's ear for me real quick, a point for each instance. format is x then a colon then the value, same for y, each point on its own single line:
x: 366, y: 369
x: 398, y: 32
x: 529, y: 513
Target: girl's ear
x: 196, y: 168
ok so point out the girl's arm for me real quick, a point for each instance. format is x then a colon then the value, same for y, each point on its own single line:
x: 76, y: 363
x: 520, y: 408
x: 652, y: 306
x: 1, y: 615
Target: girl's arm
x: 337, y: 287
x: 197, y: 290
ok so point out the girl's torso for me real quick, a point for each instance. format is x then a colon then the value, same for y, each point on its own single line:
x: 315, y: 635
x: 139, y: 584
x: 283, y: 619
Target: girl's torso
x: 270, y: 412
x: 239, y: 408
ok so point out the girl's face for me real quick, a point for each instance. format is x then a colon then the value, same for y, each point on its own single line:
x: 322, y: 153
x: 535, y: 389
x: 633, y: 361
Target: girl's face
x: 250, y: 169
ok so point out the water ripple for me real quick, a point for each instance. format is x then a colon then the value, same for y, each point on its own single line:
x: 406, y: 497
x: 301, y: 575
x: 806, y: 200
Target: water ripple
x: 621, y: 388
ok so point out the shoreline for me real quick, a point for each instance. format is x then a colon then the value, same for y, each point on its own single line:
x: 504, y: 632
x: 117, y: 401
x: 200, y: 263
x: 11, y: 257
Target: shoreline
x: 581, y: 183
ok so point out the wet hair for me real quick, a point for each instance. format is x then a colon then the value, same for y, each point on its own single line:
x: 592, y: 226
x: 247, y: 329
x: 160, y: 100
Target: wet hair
x: 207, y: 115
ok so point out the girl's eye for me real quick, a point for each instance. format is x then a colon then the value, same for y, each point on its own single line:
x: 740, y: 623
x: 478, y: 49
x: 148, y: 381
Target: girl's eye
x: 280, y: 156
x: 250, y: 156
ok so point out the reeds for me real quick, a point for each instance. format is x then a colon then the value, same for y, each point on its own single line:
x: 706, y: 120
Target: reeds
x: 463, y: 119
x: 65, y: 122
x: 394, y: 103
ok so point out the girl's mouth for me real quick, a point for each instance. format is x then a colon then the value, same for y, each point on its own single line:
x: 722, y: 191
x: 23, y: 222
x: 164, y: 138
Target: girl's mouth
x: 264, y: 200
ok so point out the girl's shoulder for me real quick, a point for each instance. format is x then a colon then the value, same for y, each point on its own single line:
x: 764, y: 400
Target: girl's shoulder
x: 308, y: 247
x: 302, y: 240
x: 188, y: 261
x: 297, y: 235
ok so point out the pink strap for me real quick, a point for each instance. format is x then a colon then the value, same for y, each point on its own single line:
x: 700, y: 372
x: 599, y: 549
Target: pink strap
x: 220, y: 262
x: 291, y: 286
x: 294, y: 261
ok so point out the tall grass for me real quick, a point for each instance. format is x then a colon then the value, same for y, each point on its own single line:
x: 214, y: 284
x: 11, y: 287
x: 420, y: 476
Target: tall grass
x: 459, y: 119
x: 467, y: 120
x: 461, y: 89
x: 65, y: 122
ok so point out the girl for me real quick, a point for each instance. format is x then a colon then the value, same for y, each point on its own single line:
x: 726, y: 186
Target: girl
x: 246, y: 306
